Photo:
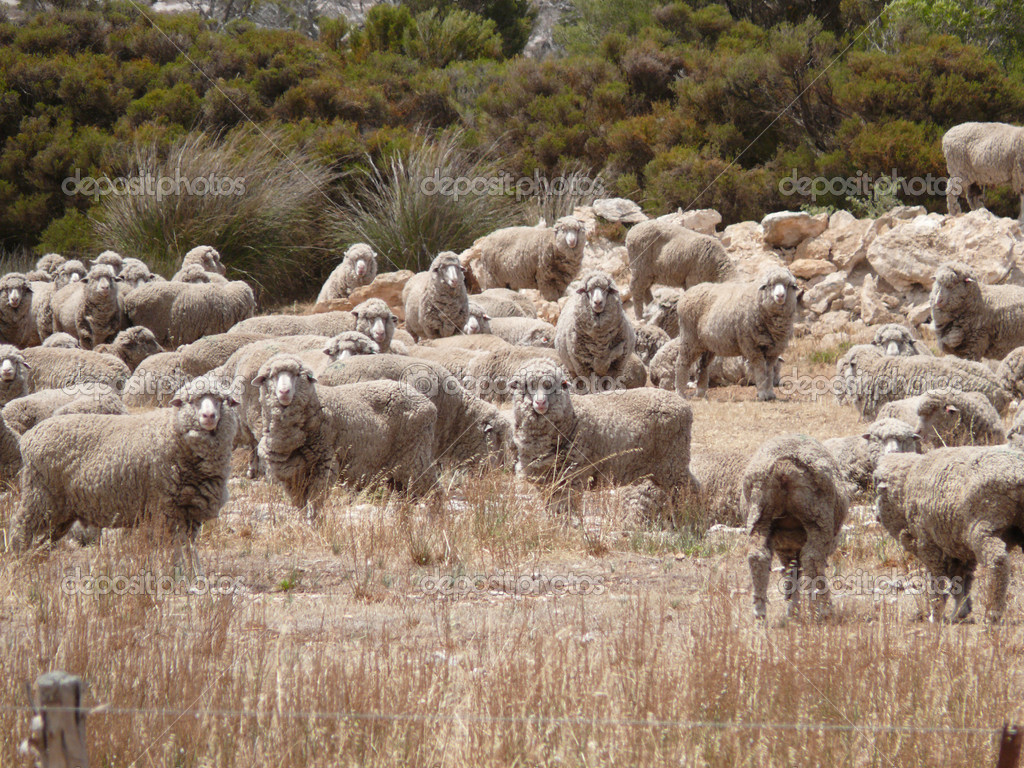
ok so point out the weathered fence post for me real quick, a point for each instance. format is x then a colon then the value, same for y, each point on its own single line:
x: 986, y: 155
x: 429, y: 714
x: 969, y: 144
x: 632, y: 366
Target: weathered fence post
x: 1009, y: 747
x: 57, y: 731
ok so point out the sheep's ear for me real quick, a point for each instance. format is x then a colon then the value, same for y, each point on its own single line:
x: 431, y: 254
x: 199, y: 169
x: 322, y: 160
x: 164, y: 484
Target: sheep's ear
x: 486, y: 316
x: 119, y: 279
x: 917, y: 437
x: 867, y: 436
x: 488, y: 428
x: 952, y: 409
x: 258, y: 381
x: 23, y: 362
x: 565, y: 384
x: 968, y: 279
x: 177, y: 402
x: 329, y: 350
x: 799, y: 295
x: 613, y: 288
x: 310, y: 376
x: 581, y: 289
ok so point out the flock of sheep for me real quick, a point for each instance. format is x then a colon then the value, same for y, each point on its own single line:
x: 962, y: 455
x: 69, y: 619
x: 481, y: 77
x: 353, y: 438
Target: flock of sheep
x: 124, y: 396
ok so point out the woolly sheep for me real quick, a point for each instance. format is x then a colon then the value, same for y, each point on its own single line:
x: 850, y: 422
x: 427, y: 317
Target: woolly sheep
x: 478, y: 320
x: 89, y: 309
x: 593, y: 337
x: 357, y: 268
x: 489, y: 374
x: 649, y: 339
x: 436, y: 303
x: 25, y: 412
x: 38, y: 276
x: 134, y: 273
x: 50, y: 263
x: 10, y: 454
x: 194, y: 273
x: 857, y: 455
x: 155, y: 381
x: 17, y: 324
x: 973, y: 320
x: 205, y: 256
x: 40, y: 312
x: 546, y: 258
x: 475, y: 342
x: 360, y: 433
x: 665, y: 252
x: 502, y: 302
x: 209, y: 352
x: 663, y: 311
x: 62, y: 340
x: 956, y: 509
x: 524, y: 331
x: 56, y: 368
x: 1015, y: 435
x: 469, y: 431
x: 350, y: 344
x: 723, y: 371
x: 717, y: 477
x: 637, y: 439
x: 455, y: 360
x: 752, y: 319
x: 14, y: 373
x: 71, y: 271
x: 948, y: 419
x: 321, y: 324
x: 894, y: 339
x: 1010, y: 372
x: 112, y: 259
x: 180, y: 313
x: 170, y: 466
x: 132, y: 345
x: 794, y: 507
x: 980, y: 155
x: 868, y: 379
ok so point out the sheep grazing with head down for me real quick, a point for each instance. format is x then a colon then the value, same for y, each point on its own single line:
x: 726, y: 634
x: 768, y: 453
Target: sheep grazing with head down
x: 25, y: 412
x: 350, y: 344
x: 593, y: 337
x: 637, y: 439
x: 524, y: 331
x: 89, y: 309
x: 980, y: 155
x: 436, y: 302
x: 895, y: 340
x: 752, y: 319
x: 170, y: 466
x: 502, y: 302
x: 357, y: 268
x: 50, y: 263
x: 546, y: 258
x: 795, y: 506
x: 180, y: 313
x: 973, y: 320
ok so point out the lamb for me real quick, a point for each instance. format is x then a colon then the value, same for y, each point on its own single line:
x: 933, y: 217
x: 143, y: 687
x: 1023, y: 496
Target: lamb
x: 663, y: 311
x: 132, y: 346
x: 750, y: 319
x: 62, y: 340
x: 209, y: 352
x: 974, y: 321
x: 857, y: 455
x: 436, y: 303
x: 180, y: 313
x: 208, y: 258
x: 524, y: 331
x: 980, y: 155
x: 350, y: 344
x: 112, y: 259
x: 546, y: 258
x: 637, y: 439
x: 313, y: 435
x: 895, y: 339
x: 25, y: 412
x: 593, y: 337
x: 14, y: 373
x: 795, y: 508
x: 502, y: 302
x: 662, y: 251
x: 17, y: 324
x: 956, y: 509
x: 469, y: 431
x: 89, y: 309
x: 50, y: 263
x: 357, y: 268
x: 170, y: 466
x: 155, y: 381
x: 868, y: 379
x: 478, y: 322
x: 649, y: 339
x: 71, y: 271
x: 56, y: 368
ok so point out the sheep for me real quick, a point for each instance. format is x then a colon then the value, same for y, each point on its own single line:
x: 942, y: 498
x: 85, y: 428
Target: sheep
x: 357, y: 268
x: 478, y: 321
x: 455, y: 360
x: 170, y: 466
x: 649, y: 339
x: 62, y: 340
x: 980, y: 155
x: 71, y: 271
x: 857, y: 455
x: 89, y: 309
x: 1010, y: 372
x: 436, y: 303
x: 56, y: 368
x: 14, y: 373
x: 313, y: 435
x: 276, y: 326
x: 134, y: 273
x: 717, y: 477
x: 25, y: 412
x: 974, y: 321
x: 502, y: 302
x: 180, y: 313
x: 206, y: 257
x: 593, y: 337
x: 1015, y: 434
x: 112, y: 259
x: 723, y: 371
x: 40, y: 311
x: 895, y: 339
x: 637, y: 439
x: 10, y: 454
x: 868, y: 379
x: 524, y: 331
x: 795, y: 507
x: 38, y: 276
x: 948, y: 419
x: 469, y: 431
x: 17, y: 324
x: 350, y: 344
x: 546, y: 258
x: 663, y: 311
x: 956, y: 509
x: 50, y: 263
x: 663, y: 251
x: 753, y: 319
x: 155, y: 381
x: 475, y: 342
x: 194, y: 273
x: 489, y: 374
x: 209, y: 352
x: 132, y: 345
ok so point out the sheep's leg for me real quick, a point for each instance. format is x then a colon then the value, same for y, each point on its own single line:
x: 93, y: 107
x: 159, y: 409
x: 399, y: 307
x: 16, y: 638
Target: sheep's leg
x: 688, y: 355
x: 991, y: 553
x: 813, y: 556
x: 641, y: 292
x: 704, y: 373
x: 937, y: 565
x: 760, y: 561
x: 763, y: 369
x: 952, y: 200
x: 1020, y: 218
x: 37, y: 516
x: 961, y: 579
x: 974, y: 197
x: 791, y: 587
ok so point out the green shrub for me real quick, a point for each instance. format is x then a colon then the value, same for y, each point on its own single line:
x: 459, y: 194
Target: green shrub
x: 458, y: 35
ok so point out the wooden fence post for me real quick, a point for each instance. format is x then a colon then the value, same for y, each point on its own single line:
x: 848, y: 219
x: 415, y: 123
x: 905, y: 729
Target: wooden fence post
x: 1009, y: 747
x: 57, y: 731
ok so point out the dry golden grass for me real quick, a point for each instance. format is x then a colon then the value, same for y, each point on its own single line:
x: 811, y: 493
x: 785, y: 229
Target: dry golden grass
x: 332, y: 651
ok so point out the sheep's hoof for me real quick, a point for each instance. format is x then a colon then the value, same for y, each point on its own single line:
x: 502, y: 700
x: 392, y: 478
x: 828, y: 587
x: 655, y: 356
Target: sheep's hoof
x: 766, y: 396
x: 760, y: 610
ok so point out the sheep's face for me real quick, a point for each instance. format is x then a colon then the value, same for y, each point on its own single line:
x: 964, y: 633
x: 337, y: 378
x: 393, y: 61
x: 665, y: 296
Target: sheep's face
x: 362, y: 262
x: 139, y: 341
x: 1015, y: 437
x: 893, y: 436
x: 539, y: 389
x: 283, y: 378
x: 203, y: 406
x: 598, y: 291
x: 350, y: 344
x: 374, y: 319
x: 779, y: 289
x: 70, y: 272
x: 478, y: 322
x: 447, y: 269
x: 569, y: 230
x: 15, y: 291
x: 954, y: 286
x: 539, y: 337
x: 10, y: 365
x: 101, y: 281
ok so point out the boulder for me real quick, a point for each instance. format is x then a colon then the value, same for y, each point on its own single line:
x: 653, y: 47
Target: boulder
x: 387, y: 286
x: 619, y: 209
x: 746, y: 247
x: 873, y: 309
x: 820, y: 295
x: 787, y: 229
x: 806, y: 269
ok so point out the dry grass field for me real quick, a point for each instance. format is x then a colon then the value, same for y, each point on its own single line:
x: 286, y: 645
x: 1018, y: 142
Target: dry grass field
x: 340, y: 643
